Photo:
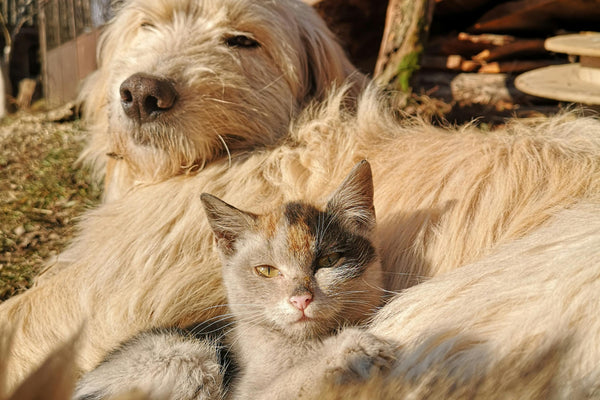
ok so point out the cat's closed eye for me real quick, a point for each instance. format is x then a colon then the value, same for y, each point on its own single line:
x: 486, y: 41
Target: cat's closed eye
x: 267, y: 271
x: 328, y: 260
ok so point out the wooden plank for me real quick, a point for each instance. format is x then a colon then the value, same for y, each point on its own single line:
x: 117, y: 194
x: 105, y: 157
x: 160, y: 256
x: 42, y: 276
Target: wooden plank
x: 54, y: 25
x: 583, y: 44
x: 561, y: 82
x: 70, y: 71
x: 54, y: 93
x: 86, y: 54
x: 62, y: 73
x: 3, y: 90
x: 42, y: 28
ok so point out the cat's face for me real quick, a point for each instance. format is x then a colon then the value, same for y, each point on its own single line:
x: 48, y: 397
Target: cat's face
x: 301, y: 270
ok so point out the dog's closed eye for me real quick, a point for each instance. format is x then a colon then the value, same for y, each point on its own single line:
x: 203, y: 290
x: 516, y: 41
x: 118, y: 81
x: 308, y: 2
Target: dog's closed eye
x: 147, y: 25
x: 241, y: 41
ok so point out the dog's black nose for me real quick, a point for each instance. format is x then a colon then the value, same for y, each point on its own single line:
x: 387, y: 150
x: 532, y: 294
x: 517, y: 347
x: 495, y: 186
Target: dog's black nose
x: 145, y: 97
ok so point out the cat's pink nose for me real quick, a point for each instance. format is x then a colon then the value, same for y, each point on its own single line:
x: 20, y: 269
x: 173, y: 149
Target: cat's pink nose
x: 302, y: 301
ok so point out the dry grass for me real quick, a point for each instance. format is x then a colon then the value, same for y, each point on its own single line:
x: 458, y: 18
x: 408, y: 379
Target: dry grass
x: 41, y: 194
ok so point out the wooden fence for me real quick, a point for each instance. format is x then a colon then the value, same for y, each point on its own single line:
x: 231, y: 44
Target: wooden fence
x: 68, y: 35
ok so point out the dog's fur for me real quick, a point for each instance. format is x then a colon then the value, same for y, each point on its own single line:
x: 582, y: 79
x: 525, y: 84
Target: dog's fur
x: 229, y: 100
x: 521, y: 323
x: 443, y: 197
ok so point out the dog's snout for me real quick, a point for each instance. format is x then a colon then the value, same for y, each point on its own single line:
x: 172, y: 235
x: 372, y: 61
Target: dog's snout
x: 145, y: 97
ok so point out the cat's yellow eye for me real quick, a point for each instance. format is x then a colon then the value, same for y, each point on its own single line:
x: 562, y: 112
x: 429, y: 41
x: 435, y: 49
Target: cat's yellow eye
x: 267, y: 271
x: 328, y: 260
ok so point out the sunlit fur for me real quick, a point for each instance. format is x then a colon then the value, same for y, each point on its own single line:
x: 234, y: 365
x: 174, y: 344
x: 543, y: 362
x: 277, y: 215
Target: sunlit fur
x: 521, y: 323
x: 230, y: 99
x: 53, y: 379
x: 443, y: 198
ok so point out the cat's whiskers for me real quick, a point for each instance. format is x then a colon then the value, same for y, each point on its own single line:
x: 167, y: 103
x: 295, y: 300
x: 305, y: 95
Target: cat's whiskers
x: 216, y: 320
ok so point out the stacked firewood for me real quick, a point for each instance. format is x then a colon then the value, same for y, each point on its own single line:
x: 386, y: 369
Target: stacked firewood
x: 462, y: 51
x: 475, y: 48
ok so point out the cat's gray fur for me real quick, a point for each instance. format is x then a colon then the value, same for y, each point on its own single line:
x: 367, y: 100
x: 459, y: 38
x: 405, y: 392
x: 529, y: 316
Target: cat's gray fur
x: 161, y: 364
x: 326, y: 275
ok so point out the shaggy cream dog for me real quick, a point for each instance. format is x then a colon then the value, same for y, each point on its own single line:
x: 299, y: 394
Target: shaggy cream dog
x: 144, y: 259
x: 184, y: 82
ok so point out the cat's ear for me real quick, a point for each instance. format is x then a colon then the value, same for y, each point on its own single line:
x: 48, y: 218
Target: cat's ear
x: 353, y: 199
x: 227, y: 222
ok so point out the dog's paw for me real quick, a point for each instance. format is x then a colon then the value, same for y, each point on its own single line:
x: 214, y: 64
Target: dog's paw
x: 354, y: 354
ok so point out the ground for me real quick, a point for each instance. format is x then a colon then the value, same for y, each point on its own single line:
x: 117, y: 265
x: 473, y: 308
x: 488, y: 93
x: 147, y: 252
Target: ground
x: 42, y: 192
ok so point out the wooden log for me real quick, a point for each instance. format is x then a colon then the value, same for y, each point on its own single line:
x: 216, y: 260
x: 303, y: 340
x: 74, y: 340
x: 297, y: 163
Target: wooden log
x: 539, y: 15
x: 26, y: 91
x: 510, y: 50
x: 453, y: 62
x: 465, y: 44
x: 406, y: 30
x: 468, y: 88
x: 516, y: 66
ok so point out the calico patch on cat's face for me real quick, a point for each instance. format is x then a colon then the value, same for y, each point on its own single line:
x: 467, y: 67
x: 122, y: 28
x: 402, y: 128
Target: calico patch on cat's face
x: 301, y: 270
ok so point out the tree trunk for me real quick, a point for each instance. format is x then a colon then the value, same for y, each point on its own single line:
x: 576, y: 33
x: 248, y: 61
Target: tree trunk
x: 406, y: 30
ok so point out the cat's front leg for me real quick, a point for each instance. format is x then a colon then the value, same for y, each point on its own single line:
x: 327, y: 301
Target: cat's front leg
x: 351, y: 355
x: 355, y: 354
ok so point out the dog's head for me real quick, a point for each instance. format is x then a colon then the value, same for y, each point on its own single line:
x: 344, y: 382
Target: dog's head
x: 184, y: 82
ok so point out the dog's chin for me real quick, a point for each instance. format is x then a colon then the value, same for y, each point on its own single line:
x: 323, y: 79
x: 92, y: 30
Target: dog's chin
x: 143, y: 138
x: 156, y: 134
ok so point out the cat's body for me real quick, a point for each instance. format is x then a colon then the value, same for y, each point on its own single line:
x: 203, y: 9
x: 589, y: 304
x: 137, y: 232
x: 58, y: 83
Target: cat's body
x: 158, y: 364
x: 294, y: 277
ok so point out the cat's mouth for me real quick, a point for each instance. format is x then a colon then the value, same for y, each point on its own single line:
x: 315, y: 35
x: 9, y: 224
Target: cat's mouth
x: 303, y: 318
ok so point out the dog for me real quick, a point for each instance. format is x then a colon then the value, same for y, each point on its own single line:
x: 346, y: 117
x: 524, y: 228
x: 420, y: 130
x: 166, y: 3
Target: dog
x: 445, y: 197
x: 181, y: 83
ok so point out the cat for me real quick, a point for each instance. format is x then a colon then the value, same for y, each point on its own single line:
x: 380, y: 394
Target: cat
x: 294, y: 278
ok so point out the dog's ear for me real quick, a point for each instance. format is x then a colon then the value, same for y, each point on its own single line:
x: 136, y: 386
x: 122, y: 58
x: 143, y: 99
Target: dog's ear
x: 327, y: 64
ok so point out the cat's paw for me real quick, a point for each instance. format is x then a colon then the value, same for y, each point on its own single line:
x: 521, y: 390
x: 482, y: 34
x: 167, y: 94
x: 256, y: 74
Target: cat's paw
x: 355, y: 354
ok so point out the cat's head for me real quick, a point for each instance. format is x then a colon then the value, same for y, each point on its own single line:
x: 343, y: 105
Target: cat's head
x: 302, y: 270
